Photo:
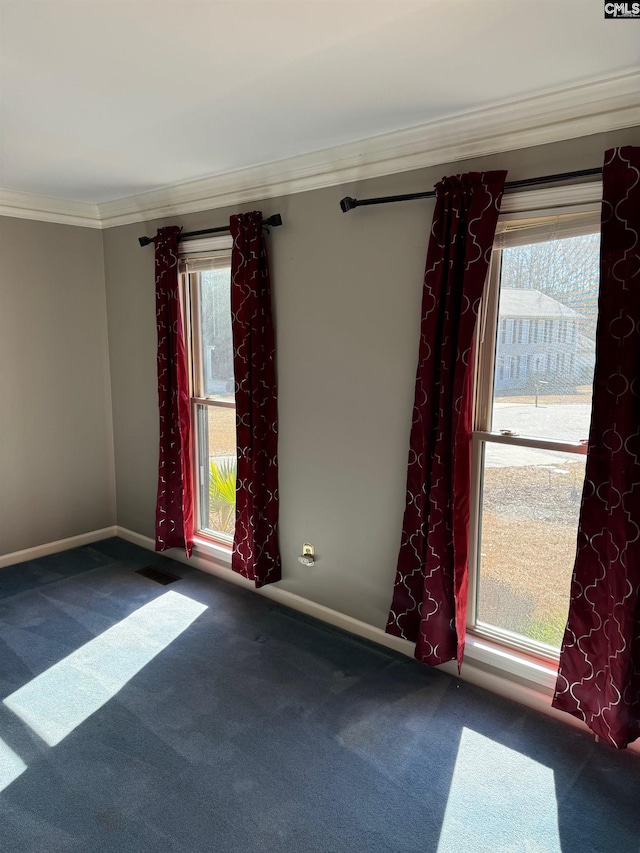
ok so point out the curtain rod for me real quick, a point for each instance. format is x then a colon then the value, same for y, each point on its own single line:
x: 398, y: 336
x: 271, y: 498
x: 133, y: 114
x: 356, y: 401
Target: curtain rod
x: 274, y: 221
x: 348, y: 203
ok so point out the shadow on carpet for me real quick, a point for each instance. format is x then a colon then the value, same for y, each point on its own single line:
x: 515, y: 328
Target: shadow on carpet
x: 201, y: 717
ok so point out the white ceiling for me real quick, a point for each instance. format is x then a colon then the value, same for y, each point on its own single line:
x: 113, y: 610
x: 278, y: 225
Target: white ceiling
x: 104, y: 99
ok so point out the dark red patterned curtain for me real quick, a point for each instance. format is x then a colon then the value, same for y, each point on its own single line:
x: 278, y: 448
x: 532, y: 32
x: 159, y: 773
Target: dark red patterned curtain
x: 256, y: 553
x: 430, y: 594
x: 599, y: 673
x: 174, y: 508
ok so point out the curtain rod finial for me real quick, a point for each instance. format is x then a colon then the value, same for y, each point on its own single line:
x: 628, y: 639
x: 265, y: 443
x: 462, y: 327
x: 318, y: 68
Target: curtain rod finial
x: 347, y: 204
x: 144, y: 241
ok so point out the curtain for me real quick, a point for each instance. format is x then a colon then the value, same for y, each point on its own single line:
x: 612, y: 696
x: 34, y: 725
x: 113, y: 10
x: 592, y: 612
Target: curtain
x: 174, y: 507
x: 256, y: 553
x: 430, y: 593
x: 599, y: 672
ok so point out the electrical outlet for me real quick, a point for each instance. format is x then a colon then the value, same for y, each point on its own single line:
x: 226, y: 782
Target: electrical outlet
x: 307, y: 558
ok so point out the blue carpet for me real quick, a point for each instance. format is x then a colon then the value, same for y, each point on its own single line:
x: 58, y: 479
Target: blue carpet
x: 213, y: 720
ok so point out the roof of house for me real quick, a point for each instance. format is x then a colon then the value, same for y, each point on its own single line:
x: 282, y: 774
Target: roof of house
x: 515, y: 302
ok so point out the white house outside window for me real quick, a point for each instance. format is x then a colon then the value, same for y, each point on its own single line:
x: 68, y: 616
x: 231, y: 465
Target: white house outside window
x: 536, y: 353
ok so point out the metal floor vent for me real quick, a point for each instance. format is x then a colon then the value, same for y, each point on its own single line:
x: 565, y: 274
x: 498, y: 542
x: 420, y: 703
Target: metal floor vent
x: 157, y: 575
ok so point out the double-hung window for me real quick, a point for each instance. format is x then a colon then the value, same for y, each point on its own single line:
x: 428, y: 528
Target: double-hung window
x: 206, y: 287
x: 531, y: 425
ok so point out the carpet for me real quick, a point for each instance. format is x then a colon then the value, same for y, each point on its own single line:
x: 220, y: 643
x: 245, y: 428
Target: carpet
x: 200, y: 717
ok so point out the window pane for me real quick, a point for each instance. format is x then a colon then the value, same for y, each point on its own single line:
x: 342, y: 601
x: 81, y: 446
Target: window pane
x: 215, y: 333
x: 530, y: 506
x: 217, y: 468
x: 545, y: 347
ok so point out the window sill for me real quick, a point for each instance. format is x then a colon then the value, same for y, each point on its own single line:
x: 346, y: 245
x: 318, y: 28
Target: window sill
x: 209, y: 549
x: 517, y: 666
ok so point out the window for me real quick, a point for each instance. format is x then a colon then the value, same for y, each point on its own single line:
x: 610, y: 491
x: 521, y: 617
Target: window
x: 531, y: 423
x: 206, y: 279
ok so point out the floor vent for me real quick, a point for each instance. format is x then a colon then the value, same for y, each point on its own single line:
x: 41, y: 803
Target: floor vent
x: 157, y: 575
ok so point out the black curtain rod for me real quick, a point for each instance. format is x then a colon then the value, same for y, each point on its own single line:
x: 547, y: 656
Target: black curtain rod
x: 348, y: 203
x: 274, y: 221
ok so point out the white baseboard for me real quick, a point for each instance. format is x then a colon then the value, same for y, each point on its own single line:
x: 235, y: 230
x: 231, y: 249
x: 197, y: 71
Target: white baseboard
x: 136, y: 538
x: 537, y: 699
x: 216, y: 561
x: 56, y: 547
x: 220, y: 568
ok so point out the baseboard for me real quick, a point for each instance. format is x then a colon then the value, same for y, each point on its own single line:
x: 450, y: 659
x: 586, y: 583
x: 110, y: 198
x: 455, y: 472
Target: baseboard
x: 219, y: 569
x: 215, y: 564
x: 57, y: 546
x: 529, y: 696
x: 215, y: 561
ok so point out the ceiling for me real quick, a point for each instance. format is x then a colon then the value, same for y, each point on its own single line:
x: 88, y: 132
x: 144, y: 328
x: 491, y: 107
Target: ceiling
x: 106, y: 99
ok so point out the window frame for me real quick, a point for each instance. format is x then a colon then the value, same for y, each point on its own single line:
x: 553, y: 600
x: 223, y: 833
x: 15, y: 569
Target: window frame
x: 200, y: 250
x: 512, y: 654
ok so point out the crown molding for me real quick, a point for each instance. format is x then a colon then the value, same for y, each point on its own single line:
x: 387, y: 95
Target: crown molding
x: 601, y: 105
x: 44, y: 208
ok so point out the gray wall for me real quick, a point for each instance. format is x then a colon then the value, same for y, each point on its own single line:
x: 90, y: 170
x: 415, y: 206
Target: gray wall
x: 347, y: 292
x: 56, y: 450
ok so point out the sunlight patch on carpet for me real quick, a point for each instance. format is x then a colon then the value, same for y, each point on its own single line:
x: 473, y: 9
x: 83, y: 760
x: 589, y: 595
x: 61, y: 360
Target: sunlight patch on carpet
x: 500, y: 801
x: 70, y: 691
x: 11, y: 765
